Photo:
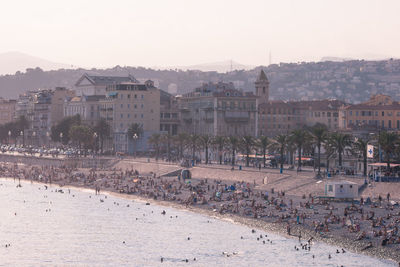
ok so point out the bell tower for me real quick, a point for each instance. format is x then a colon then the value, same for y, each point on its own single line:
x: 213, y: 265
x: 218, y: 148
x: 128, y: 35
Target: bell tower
x: 262, y: 88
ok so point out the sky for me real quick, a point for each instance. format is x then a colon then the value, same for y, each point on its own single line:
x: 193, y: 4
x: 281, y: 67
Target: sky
x: 104, y: 33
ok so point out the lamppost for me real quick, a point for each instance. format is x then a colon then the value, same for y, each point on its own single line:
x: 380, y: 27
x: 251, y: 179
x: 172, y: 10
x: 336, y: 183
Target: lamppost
x: 48, y: 138
x: 135, y: 137
x: 33, y: 137
x: 23, y: 138
x: 95, y: 143
x: 9, y: 136
x: 61, y: 138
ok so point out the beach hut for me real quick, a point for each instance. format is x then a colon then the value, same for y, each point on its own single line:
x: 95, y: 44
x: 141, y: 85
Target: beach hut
x: 341, y: 189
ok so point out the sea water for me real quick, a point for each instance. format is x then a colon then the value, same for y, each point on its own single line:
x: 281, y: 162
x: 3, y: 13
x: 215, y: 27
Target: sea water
x: 79, y: 228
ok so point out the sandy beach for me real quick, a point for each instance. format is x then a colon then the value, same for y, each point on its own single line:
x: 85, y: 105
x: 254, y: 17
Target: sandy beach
x: 242, y: 197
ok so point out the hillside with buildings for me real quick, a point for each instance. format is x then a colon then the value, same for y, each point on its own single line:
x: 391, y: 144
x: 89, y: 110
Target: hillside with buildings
x: 353, y: 81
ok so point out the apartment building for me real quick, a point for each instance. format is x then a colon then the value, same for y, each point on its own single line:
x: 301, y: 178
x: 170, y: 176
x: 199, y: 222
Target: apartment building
x: 58, y: 97
x: 379, y: 113
x: 87, y: 107
x: 127, y: 103
x: 282, y: 117
x: 7, y: 110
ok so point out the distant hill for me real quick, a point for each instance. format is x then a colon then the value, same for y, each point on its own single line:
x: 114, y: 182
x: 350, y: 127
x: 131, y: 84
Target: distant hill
x: 11, y: 62
x: 352, y: 81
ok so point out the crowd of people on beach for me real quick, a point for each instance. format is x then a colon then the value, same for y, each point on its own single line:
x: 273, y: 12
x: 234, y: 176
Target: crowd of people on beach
x: 371, y: 222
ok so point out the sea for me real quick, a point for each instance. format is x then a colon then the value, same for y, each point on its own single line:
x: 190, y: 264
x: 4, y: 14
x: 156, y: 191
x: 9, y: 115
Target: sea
x: 74, y: 227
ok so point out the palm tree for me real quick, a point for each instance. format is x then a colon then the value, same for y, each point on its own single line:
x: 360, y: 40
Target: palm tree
x: 103, y: 130
x: 206, y: 141
x: 340, y: 142
x: 263, y: 143
x: 155, y: 140
x: 166, y: 138
x: 233, y: 143
x: 360, y: 147
x: 193, y: 142
x: 180, y: 141
x: 299, y: 137
x: 219, y: 143
x: 329, y: 149
x: 247, y: 144
x: 280, y: 144
x: 388, y: 142
x: 318, y: 135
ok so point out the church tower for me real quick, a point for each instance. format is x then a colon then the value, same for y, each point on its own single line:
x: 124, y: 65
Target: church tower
x: 262, y: 88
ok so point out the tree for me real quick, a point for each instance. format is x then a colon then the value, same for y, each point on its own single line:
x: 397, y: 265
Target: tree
x: 233, y: 144
x: 63, y: 127
x: 279, y: 144
x: 263, y: 143
x: 193, y: 142
x: 81, y: 134
x: 166, y: 139
x: 329, y: 149
x: 219, y: 142
x: 180, y: 141
x: 103, y: 129
x: 155, y: 140
x: 299, y: 137
x: 247, y: 144
x: 388, y: 142
x: 206, y: 141
x: 360, y: 147
x: 340, y: 142
x: 318, y: 135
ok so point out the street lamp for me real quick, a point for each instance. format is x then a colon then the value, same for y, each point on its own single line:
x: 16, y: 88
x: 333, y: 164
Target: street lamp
x: 135, y: 137
x: 95, y: 142
x: 23, y: 138
x: 61, y: 137
x: 48, y: 138
x: 9, y: 136
x: 33, y: 137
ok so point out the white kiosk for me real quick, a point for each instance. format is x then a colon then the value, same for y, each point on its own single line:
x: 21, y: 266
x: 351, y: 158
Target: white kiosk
x: 341, y: 189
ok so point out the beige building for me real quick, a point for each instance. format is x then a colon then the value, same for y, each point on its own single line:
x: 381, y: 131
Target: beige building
x: 169, y: 113
x: 7, y: 110
x: 380, y: 112
x: 282, y: 117
x: 127, y: 103
x: 60, y: 94
x: 219, y: 109
x: 87, y: 107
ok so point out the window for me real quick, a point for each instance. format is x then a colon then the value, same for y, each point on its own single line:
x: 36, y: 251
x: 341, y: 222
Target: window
x: 330, y: 188
x: 129, y: 115
x: 351, y: 186
x: 122, y: 105
x: 122, y: 115
x: 383, y: 113
x: 135, y: 96
x: 129, y: 95
x: 141, y: 115
x: 142, y: 96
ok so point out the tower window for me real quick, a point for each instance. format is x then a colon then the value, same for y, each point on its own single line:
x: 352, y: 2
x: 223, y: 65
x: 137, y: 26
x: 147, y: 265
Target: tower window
x: 264, y: 90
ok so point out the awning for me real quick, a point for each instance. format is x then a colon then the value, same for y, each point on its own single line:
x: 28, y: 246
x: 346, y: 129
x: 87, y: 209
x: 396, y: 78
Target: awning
x: 383, y: 164
x: 304, y: 159
x: 112, y: 93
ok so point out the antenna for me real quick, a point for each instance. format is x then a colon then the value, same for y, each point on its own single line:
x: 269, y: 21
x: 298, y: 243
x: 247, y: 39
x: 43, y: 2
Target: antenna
x: 270, y: 57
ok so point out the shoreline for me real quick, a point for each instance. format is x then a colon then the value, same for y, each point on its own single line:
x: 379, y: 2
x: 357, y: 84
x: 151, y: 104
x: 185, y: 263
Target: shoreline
x: 277, y: 228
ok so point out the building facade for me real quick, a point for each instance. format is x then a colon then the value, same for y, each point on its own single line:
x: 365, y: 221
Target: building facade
x: 379, y: 113
x: 96, y: 85
x: 7, y: 110
x: 87, y: 107
x: 282, y: 117
x: 127, y: 103
x: 57, y: 103
x: 169, y: 114
x: 218, y: 109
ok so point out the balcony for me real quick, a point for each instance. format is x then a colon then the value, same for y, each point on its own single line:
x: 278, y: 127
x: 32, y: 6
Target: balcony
x: 237, y: 116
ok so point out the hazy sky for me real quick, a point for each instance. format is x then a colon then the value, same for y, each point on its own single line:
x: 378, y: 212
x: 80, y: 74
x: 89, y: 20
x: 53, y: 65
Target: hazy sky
x: 184, y: 32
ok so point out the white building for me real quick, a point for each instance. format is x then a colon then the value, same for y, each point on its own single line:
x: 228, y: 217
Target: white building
x: 96, y: 85
x: 341, y: 189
